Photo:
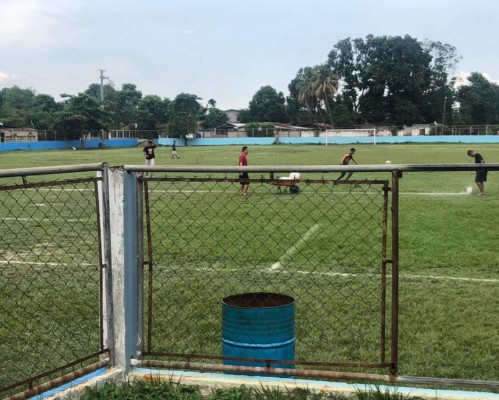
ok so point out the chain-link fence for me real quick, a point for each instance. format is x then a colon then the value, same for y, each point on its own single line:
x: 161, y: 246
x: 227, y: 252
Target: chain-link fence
x: 322, y: 242
x: 50, y: 274
x: 155, y: 254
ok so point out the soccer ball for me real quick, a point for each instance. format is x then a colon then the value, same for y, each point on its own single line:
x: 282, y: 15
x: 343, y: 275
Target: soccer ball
x: 388, y: 162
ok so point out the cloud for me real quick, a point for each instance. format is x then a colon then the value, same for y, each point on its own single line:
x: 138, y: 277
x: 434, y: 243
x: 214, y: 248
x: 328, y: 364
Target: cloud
x: 462, y: 78
x: 6, y: 78
x: 32, y: 21
x: 489, y: 78
x: 188, y: 31
x: 19, y: 20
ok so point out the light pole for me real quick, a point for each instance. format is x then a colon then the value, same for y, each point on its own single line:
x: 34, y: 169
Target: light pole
x: 443, y: 114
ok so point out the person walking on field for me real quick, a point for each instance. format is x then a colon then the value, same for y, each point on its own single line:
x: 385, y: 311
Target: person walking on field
x: 345, y: 160
x: 243, y: 176
x: 174, y: 150
x: 481, y: 174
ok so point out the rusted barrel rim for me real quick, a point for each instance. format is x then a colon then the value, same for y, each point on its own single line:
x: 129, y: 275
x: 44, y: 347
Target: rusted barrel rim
x: 258, y: 300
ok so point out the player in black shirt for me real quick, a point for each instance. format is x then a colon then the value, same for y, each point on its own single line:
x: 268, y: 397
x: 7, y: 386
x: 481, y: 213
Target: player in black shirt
x: 481, y: 174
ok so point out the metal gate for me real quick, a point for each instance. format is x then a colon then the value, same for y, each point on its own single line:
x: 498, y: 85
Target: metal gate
x: 50, y: 278
x: 324, y: 244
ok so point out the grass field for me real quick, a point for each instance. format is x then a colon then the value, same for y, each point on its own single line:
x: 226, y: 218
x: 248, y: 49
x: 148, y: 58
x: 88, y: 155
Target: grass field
x: 448, y: 251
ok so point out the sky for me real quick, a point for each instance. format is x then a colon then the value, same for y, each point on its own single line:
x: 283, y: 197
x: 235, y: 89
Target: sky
x: 219, y: 49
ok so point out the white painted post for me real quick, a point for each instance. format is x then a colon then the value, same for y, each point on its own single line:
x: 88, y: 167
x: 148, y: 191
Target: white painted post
x: 122, y: 292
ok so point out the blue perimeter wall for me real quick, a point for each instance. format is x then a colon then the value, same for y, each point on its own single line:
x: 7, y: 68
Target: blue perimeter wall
x: 95, y: 144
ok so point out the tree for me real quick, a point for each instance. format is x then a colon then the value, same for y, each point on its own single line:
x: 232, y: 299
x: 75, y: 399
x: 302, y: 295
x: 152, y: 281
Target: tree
x: 479, y: 101
x: 215, y: 117
x: 82, y: 113
x: 127, y: 102
x: 324, y: 86
x: 389, y: 79
x: 257, y: 129
x: 316, y: 88
x: 441, y: 92
x: 305, y: 88
x: 25, y: 108
x: 298, y: 111
x: 16, y: 106
x: 44, y: 111
x: 153, y: 112
x: 267, y: 105
x: 183, y: 114
x: 110, y: 92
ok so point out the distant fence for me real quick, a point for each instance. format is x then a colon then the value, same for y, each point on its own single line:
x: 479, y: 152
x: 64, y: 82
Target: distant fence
x: 341, y: 140
x: 133, y: 138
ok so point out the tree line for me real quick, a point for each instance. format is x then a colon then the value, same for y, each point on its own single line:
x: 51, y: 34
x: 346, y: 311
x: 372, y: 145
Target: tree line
x: 389, y: 80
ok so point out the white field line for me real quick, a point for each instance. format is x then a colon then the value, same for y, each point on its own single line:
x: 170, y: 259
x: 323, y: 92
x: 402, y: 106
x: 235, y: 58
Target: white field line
x: 51, y: 264
x: 436, y: 193
x: 293, y: 249
x: 267, y: 270
x: 44, y: 189
x: 44, y: 219
x: 349, y: 275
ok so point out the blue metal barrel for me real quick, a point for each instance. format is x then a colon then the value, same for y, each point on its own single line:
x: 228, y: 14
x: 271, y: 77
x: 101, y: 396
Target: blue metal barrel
x: 258, y: 325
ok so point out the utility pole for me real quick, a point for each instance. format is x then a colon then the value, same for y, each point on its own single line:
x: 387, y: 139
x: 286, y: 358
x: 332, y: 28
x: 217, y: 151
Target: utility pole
x: 443, y: 115
x: 102, y: 77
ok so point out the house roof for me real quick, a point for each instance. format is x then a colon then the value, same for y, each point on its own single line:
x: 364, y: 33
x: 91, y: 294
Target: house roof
x: 289, y: 127
x: 277, y: 125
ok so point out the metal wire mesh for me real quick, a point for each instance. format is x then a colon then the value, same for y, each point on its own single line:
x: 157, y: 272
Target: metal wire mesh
x: 49, y: 280
x: 322, y: 244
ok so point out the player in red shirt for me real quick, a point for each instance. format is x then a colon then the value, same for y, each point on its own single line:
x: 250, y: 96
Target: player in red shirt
x: 243, y: 176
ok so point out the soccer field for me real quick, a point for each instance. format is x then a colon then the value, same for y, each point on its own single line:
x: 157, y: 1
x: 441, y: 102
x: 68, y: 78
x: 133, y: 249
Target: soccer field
x: 436, y: 210
x: 210, y: 242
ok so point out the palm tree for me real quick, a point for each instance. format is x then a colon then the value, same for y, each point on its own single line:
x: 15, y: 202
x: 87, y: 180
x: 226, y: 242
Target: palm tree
x: 324, y: 84
x: 306, y: 93
x: 305, y: 89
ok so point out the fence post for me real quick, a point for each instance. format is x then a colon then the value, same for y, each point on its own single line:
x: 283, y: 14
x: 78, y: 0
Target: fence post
x: 124, y: 258
x: 395, y: 272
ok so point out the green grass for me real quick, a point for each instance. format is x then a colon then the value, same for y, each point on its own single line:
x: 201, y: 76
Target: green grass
x: 169, y: 390
x: 209, y: 242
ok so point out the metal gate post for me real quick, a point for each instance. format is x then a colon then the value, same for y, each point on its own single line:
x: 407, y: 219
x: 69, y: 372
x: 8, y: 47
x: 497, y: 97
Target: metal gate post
x: 124, y: 263
x: 395, y: 272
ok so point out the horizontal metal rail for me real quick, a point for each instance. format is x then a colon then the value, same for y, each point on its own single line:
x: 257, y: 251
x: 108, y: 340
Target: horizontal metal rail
x: 347, y: 376
x: 269, y: 180
x: 59, y: 381
x: 267, y: 362
x: 4, y: 173
x: 353, y: 376
x: 29, y: 185
x: 32, y: 379
x: 315, y: 168
x: 415, y: 380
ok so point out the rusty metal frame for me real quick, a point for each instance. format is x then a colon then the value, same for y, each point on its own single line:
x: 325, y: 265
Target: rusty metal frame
x: 53, y: 383
x: 33, y: 390
x: 392, y: 365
